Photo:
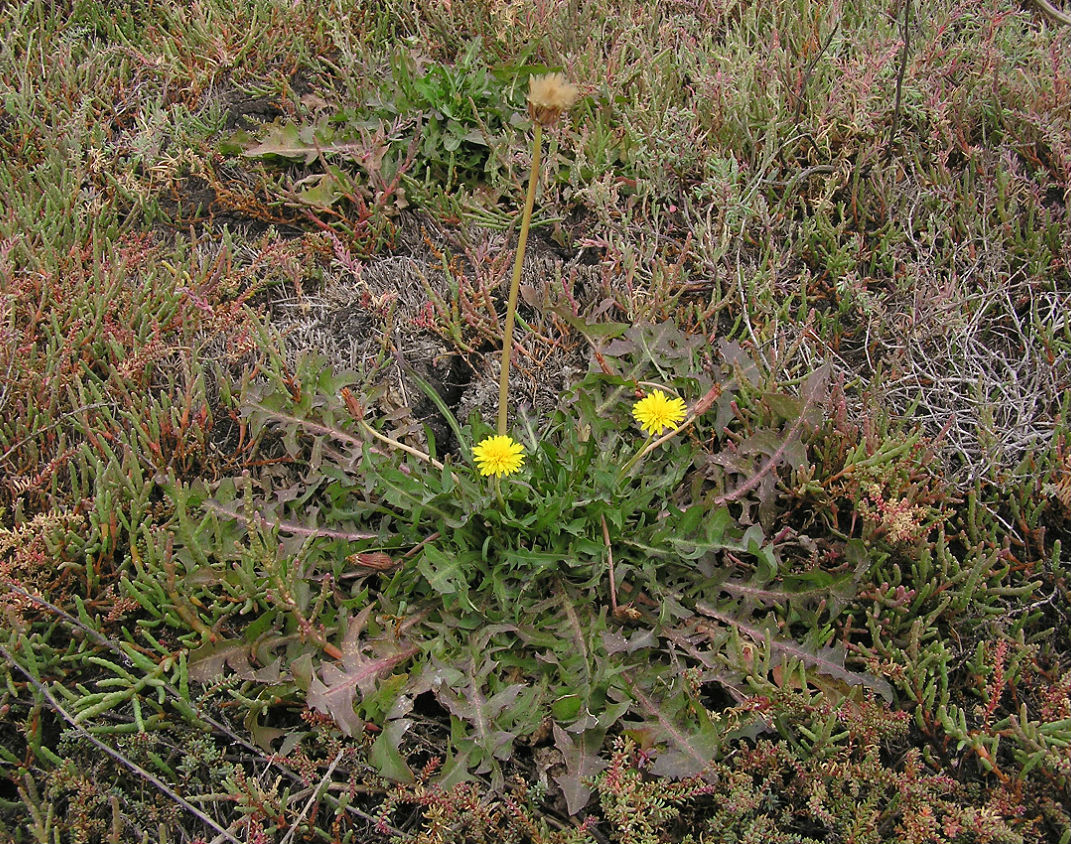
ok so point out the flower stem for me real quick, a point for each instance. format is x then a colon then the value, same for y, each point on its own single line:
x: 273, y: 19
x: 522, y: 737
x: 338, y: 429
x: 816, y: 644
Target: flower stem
x: 651, y: 444
x: 515, y: 283
x: 634, y: 459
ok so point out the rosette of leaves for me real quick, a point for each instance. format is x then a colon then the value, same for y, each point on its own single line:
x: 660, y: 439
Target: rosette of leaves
x: 431, y: 125
x: 575, y: 591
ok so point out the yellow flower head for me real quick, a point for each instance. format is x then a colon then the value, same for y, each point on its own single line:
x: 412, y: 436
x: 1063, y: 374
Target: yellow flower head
x: 657, y: 411
x: 498, y: 455
x: 548, y: 96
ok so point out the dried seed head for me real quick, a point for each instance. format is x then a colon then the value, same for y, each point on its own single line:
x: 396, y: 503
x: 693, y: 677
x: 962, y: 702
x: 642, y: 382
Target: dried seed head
x: 548, y: 96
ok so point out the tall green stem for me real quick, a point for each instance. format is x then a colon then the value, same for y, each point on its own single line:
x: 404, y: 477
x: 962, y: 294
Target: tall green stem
x: 515, y: 283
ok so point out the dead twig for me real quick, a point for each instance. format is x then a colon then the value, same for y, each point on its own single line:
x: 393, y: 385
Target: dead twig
x: 898, y: 104
x: 291, y: 527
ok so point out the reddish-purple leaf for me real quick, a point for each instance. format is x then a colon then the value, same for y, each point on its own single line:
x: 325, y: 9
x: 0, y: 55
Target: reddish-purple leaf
x: 207, y: 662
x: 688, y: 753
x: 828, y: 661
x: 582, y: 761
x: 334, y: 695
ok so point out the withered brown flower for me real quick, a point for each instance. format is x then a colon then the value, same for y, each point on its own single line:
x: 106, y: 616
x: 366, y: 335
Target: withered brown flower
x: 548, y: 96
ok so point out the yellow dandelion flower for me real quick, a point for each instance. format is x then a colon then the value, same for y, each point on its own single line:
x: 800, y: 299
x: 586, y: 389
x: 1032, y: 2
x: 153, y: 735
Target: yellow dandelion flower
x: 658, y: 411
x: 548, y: 96
x: 498, y: 455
